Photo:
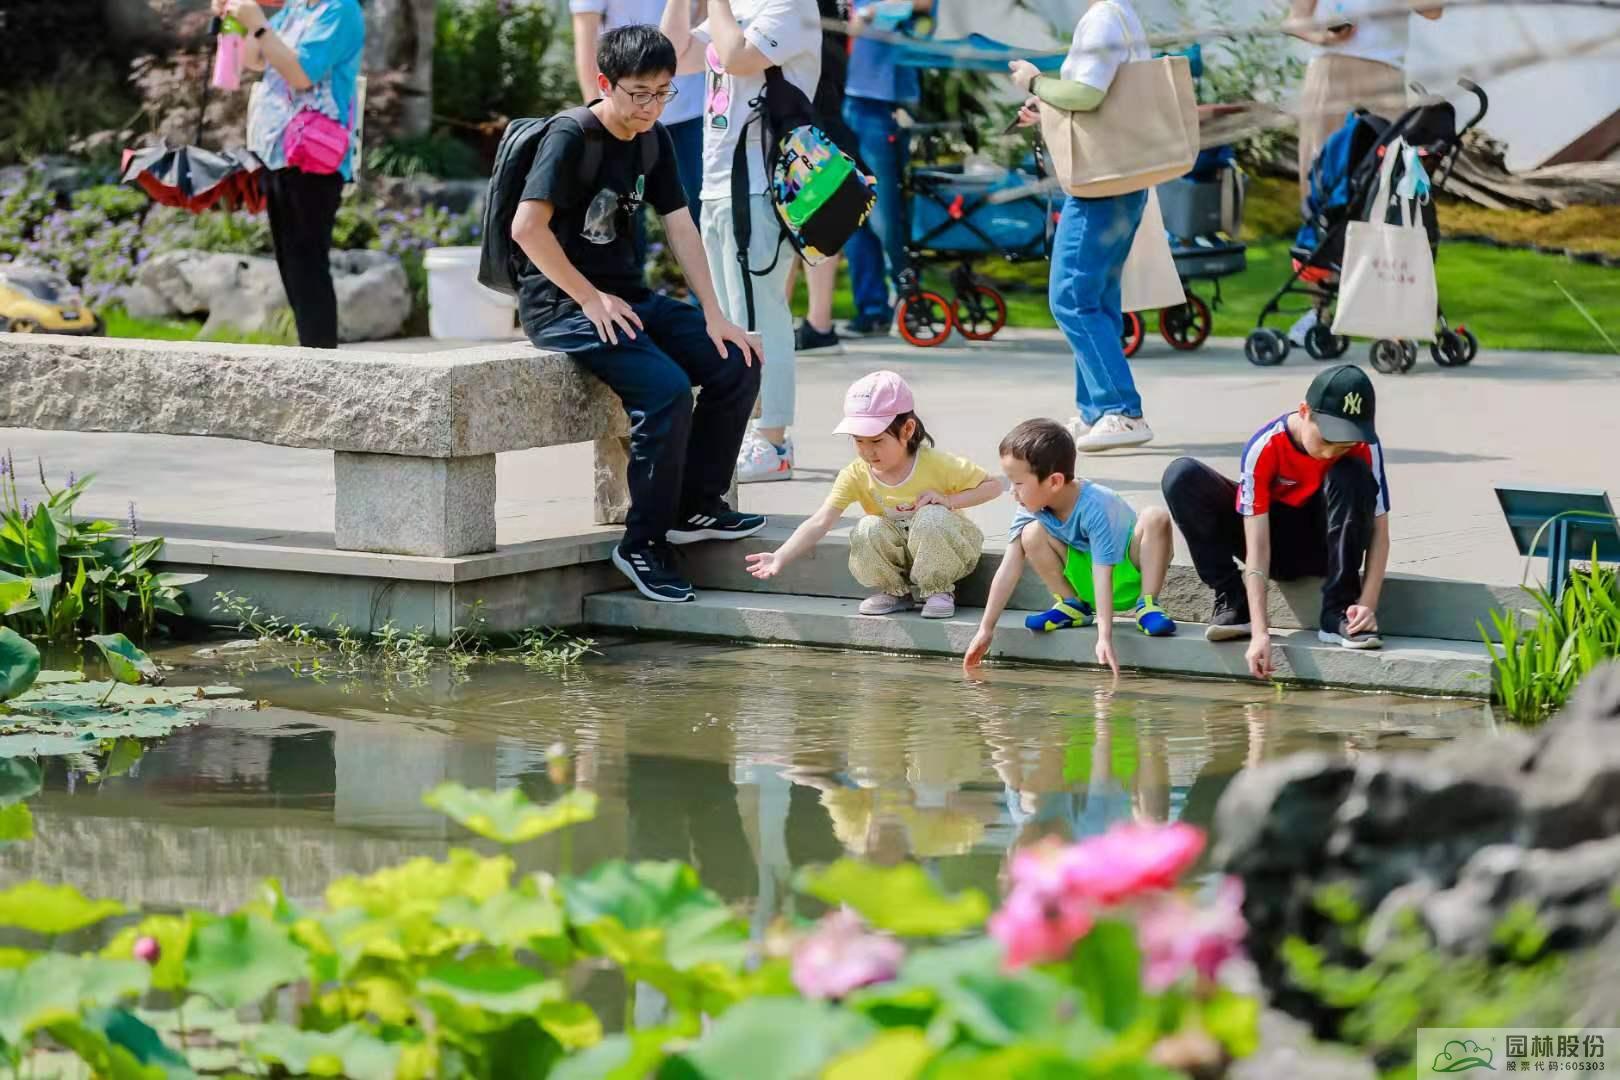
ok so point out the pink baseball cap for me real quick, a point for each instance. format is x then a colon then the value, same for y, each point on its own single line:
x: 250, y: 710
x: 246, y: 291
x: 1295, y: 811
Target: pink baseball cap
x: 873, y: 402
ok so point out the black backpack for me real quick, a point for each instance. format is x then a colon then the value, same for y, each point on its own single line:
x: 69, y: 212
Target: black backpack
x: 499, y: 255
x: 800, y: 159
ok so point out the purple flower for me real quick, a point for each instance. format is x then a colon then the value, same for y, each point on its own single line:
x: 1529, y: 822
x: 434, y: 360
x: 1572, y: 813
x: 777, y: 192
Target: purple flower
x: 73, y: 478
x: 134, y: 526
x: 27, y: 510
x: 840, y: 956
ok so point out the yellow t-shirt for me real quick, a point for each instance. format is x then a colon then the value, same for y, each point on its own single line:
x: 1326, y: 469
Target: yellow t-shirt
x: 932, y: 470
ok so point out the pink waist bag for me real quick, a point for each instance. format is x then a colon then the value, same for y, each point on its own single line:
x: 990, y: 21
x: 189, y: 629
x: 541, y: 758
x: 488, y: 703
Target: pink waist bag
x: 315, y: 143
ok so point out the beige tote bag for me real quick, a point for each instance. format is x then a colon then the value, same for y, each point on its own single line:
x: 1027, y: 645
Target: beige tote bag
x: 1149, y: 281
x: 1387, y: 287
x: 1144, y: 133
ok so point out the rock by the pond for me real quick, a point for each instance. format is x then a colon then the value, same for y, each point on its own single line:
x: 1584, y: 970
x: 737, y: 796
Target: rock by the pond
x: 63, y: 175
x: 1458, y: 836
x: 244, y: 292
x: 456, y: 196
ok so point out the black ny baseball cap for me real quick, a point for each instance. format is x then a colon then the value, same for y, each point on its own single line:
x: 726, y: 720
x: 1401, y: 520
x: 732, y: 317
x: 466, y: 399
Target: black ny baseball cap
x: 1342, y: 403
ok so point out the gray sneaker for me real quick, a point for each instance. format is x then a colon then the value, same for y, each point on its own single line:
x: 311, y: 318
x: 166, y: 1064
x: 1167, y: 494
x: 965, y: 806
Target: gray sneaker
x: 939, y: 606
x: 884, y: 604
x: 1367, y: 639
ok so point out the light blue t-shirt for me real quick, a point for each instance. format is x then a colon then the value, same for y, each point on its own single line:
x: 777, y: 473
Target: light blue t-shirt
x: 873, y: 74
x: 1101, y: 524
x: 329, y: 38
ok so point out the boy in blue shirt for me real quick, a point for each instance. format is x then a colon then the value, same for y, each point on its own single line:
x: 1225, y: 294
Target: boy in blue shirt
x: 1089, y: 547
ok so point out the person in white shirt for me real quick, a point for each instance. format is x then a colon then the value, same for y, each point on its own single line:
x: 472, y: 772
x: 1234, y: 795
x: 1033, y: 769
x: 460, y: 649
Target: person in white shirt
x: 683, y: 117
x: 733, y: 47
x: 1093, y: 236
x: 1361, y: 64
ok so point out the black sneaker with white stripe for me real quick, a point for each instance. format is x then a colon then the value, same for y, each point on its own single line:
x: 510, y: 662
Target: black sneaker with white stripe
x: 651, y: 569
x: 720, y: 523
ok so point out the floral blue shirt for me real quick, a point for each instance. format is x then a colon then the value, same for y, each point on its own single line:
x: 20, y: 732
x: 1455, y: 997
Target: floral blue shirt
x: 329, y: 37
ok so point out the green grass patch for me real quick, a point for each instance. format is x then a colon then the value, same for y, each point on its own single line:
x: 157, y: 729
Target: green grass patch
x: 121, y: 324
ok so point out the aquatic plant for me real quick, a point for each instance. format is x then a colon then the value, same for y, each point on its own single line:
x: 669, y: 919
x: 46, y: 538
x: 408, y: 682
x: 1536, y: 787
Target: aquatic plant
x: 1535, y: 669
x: 465, y: 967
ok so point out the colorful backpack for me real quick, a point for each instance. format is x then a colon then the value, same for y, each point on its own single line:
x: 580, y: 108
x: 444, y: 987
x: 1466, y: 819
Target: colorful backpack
x: 822, y: 193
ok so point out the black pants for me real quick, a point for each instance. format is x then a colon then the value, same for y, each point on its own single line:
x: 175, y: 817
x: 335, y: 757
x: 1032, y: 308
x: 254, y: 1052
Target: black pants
x: 1326, y: 537
x: 303, y: 208
x: 681, y: 458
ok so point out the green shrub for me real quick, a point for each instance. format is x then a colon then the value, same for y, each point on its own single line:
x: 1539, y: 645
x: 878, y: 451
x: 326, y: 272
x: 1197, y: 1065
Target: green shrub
x: 493, y: 60
x: 49, y: 117
x: 427, y: 155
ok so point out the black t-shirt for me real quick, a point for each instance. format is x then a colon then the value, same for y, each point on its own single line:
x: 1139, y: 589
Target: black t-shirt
x: 595, y: 226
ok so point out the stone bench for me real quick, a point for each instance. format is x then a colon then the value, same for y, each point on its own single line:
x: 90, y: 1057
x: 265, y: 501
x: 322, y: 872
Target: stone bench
x: 415, y: 435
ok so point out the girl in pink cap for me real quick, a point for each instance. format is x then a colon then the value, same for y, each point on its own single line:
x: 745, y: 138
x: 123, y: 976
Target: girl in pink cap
x: 913, y: 542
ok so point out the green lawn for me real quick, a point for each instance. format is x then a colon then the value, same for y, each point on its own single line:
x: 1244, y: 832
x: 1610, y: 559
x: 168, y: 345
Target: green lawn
x: 1510, y: 299
x: 121, y: 324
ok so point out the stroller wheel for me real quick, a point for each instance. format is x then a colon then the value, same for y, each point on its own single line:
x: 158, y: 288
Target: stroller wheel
x: 1131, y: 339
x: 1186, y: 326
x: 980, y: 312
x: 1409, y: 353
x: 1266, y: 347
x: 924, y: 319
x: 1388, y: 357
x: 1323, y: 344
x: 1449, y: 349
x: 1469, y: 340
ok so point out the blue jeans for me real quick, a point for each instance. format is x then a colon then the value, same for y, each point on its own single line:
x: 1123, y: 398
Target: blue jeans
x: 1088, y: 255
x: 681, y: 458
x: 877, y: 251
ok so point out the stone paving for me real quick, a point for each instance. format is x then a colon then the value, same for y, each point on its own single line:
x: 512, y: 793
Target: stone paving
x: 1449, y: 434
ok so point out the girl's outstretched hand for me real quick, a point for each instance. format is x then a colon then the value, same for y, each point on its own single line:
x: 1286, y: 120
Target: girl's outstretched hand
x: 977, y: 650
x: 764, y: 565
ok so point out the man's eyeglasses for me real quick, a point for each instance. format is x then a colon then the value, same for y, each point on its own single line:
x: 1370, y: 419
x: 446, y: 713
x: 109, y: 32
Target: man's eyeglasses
x: 643, y: 98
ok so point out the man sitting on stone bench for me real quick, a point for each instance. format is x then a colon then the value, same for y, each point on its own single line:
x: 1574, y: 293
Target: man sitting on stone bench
x: 582, y: 291
x: 1312, y: 499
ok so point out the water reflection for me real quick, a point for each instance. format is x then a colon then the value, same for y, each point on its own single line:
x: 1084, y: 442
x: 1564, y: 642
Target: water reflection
x: 746, y: 762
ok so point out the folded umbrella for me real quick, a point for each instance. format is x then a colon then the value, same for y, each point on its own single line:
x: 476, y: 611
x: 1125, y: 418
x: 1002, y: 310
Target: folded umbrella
x: 193, y: 178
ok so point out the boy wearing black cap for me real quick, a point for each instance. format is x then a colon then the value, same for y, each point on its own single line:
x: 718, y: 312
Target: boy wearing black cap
x: 1312, y: 499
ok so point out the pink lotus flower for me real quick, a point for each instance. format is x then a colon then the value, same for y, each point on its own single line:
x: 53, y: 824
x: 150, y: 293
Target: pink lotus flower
x: 840, y: 956
x: 1038, y: 927
x: 1178, y: 937
x: 148, y: 950
x: 1129, y: 860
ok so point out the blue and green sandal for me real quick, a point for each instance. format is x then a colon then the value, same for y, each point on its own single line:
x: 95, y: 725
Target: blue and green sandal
x: 1061, y: 616
x: 1152, y: 619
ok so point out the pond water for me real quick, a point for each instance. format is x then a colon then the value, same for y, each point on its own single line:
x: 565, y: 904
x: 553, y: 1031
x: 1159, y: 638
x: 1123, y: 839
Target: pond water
x: 746, y: 761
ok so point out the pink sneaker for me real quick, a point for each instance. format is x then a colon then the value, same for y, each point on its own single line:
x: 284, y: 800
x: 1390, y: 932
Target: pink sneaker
x: 942, y: 605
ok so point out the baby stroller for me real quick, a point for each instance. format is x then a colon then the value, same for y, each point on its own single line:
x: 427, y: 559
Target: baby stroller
x: 1203, y: 213
x: 1344, y: 184
x: 959, y: 213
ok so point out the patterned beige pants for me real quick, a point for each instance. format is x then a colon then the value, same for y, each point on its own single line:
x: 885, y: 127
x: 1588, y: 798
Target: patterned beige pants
x: 928, y: 554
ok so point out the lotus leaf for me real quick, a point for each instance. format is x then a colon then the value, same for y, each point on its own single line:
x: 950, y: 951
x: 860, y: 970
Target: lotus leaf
x: 61, y: 716
x: 901, y: 899
x: 14, y: 592
x: 508, y: 817
x: 240, y: 959
x: 893, y: 1055
x: 422, y: 882
x: 504, y: 989
x: 55, y: 986
x: 16, y: 824
x: 128, y: 664
x: 19, y: 780
x: 118, y: 1046
x: 507, y: 919
x: 572, y: 1023
x: 351, y: 1051
x: 173, y: 935
x: 775, y: 1037
x: 52, y: 909
x: 619, y: 1057
x: 19, y: 664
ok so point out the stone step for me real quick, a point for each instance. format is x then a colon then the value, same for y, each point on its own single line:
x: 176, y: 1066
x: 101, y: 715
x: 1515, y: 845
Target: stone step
x: 1410, y: 665
x: 1411, y: 606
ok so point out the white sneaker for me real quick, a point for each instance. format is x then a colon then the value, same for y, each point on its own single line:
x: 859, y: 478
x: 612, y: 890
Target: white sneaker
x: 884, y: 604
x: 1297, y: 332
x: 1078, y: 427
x: 1114, y: 431
x: 939, y: 606
x: 760, y: 462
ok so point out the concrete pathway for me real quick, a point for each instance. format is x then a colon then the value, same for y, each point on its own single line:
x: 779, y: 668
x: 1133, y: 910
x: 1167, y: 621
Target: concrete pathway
x: 1450, y: 435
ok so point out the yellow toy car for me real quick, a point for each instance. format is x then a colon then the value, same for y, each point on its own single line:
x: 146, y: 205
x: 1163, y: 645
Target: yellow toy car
x: 34, y: 300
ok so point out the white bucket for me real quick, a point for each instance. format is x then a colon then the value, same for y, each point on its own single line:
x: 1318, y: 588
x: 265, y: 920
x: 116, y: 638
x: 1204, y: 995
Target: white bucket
x: 458, y: 307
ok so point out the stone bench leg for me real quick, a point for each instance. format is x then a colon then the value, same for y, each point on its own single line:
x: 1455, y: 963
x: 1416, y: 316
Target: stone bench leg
x: 439, y: 507
x: 612, y: 484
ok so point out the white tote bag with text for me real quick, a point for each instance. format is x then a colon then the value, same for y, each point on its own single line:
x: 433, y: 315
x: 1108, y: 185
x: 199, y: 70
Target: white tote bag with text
x: 1149, y: 281
x: 1386, y: 286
